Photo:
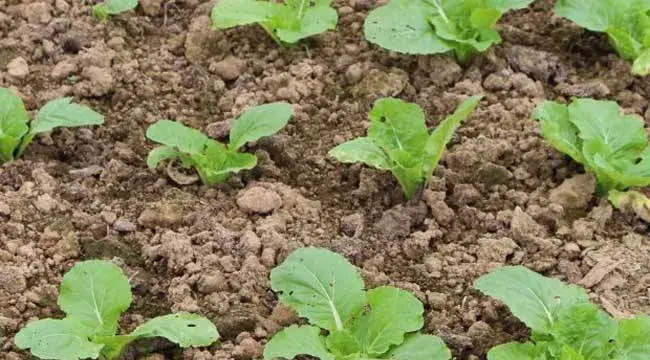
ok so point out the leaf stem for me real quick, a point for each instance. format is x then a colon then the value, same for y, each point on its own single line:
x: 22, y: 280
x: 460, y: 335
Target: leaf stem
x: 441, y: 11
x: 273, y: 35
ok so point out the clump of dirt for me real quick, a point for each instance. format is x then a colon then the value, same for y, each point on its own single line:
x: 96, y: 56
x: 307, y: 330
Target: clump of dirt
x: 501, y: 194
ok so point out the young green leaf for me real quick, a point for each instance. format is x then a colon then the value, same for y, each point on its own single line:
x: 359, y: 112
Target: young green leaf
x: 378, y: 329
x: 586, y: 329
x: 176, y: 135
x: 517, y: 351
x: 424, y: 27
x: 297, y: 340
x: 286, y: 23
x: 62, y: 112
x: 632, y: 339
x: 13, y: 123
x: 626, y: 22
x: 65, y: 339
x: 420, y: 347
x: 182, y: 328
x: 96, y: 293
x: 532, y: 298
x: 113, y: 7
x: 558, y: 129
x: 398, y: 140
x: 322, y: 286
x: 259, y: 122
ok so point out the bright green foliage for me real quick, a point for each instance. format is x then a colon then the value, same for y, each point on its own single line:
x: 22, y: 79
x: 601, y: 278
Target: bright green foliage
x: 213, y: 160
x: 325, y: 288
x: 626, y: 22
x: 466, y: 27
x: 16, y: 132
x: 286, y: 23
x: 93, y: 295
x: 398, y: 141
x: 113, y: 7
x: 611, y: 145
x: 564, y: 324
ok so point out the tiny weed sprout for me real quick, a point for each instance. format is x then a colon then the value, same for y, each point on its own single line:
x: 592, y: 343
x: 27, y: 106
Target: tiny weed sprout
x: 398, y: 141
x: 626, y: 23
x: 466, y: 27
x: 564, y: 324
x: 17, y: 132
x: 286, y: 23
x: 93, y: 295
x: 213, y: 160
x: 325, y: 288
x: 113, y: 7
x: 611, y: 145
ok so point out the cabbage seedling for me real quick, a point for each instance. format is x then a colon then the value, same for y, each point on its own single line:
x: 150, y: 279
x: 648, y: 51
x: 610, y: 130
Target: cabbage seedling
x: 17, y: 132
x: 93, y: 295
x: 113, y: 7
x: 325, y: 288
x: 213, y: 160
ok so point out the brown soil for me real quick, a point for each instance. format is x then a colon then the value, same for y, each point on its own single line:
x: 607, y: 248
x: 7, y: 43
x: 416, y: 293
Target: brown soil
x: 500, y: 196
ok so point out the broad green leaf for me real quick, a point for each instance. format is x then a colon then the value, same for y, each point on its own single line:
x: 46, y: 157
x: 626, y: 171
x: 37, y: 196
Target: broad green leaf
x: 641, y: 65
x: 259, y: 122
x: 624, y: 43
x: 342, y: 343
x: 13, y: 123
x: 531, y: 297
x: 65, y: 339
x: 485, y: 18
x: 181, y: 328
x: 297, y: 340
x: 420, y: 347
x: 403, y: 26
x: 161, y: 153
x: 440, y: 137
x: 96, y: 293
x: 618, y: 172
x: 361, y: 150
x: 230, y: 13
x: 380, y: 328
x: 321, y: 286
x: 316, y: 20
x: 504, y: 6
x: 593, y: 15
x: 517, y: 351
x: 632, y: 339
x: 586, y: 329
x: 177, y: 135
x: 558, y: 129
x: 114, y: 7
x: 62, y: 112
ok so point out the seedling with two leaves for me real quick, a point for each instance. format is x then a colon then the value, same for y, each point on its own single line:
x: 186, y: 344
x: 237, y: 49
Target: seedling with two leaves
x: 347, y: 322
x: 286, y: 22
x: 611, y: 145
x: 94, y: 294
x: 626, y: 23
x: 464, y: 27
x: 564, y: 324
x: 398, y: 141
x: 213, y: 160
x: 113, y: 7
x: 17, y: 132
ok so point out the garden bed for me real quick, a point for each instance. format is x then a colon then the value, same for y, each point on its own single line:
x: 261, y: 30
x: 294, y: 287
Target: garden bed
x: 501, y: 194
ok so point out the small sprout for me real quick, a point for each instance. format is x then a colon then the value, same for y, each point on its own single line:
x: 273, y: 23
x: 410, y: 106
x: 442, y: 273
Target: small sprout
x: 626, y: 23
x: 286, y: 23
x: 398, y: 141
x: 611, y: 145
x: 113, y: 7
x: 213, y: 160
x: 17, y: 132
x: 93, y: 295
x: 564, y: 324
x: 466, y: 27
x: 382, y: 323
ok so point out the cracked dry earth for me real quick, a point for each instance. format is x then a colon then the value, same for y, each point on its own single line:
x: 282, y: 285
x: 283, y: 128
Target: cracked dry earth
x: 500, y: 196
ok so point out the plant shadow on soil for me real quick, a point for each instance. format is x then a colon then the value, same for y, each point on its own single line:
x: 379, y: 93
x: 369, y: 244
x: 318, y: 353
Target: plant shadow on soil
x: 501, y: 195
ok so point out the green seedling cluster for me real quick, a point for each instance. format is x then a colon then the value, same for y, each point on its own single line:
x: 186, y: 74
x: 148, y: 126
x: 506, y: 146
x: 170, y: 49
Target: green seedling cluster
x: 564, y: 324
x: 626, y: 23
x: 611, y: 145
x: 17, y: 132
x: 346, y: 321
x: 286, y: 22
x: 398, y: 141
x: 464, y: 27
x: 113, y: 7
x: 214, y: 161
x: 93, y: 295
